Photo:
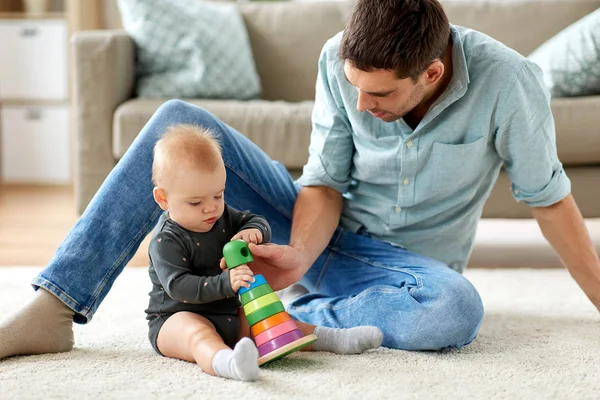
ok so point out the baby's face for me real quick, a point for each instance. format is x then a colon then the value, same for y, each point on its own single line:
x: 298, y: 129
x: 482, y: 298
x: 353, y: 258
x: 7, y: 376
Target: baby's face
x: 195, y: 198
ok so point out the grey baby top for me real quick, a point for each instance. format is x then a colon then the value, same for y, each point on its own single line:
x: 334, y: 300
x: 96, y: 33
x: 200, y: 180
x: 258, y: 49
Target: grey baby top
x: 184, y: 265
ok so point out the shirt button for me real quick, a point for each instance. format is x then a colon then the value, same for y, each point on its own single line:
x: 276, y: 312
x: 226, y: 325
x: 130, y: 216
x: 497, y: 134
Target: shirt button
x: 398, y: 209
x: 409, y: 144
x: 516, y: 191
x: 406, y: 181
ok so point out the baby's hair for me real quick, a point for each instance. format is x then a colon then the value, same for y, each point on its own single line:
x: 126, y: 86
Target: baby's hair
x: 185, y: 144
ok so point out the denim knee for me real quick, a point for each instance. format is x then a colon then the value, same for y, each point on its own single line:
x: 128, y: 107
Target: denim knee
x: 175, y: 107
x: 464, y: 306
x: 450, y: 319
x: 176, y: 111
x: 460, y: 307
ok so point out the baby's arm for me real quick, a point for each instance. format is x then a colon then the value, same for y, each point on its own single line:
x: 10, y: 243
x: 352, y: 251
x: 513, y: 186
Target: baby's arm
x: 169, y: 258
x: 251, y: 228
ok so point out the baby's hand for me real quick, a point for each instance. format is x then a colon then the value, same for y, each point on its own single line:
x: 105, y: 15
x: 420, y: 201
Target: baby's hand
x: 240, y: 276
x: 251, y: 235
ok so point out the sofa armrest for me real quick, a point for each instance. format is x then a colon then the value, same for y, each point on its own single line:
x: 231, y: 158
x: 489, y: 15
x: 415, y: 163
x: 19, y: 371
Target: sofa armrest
x: 102, y: 78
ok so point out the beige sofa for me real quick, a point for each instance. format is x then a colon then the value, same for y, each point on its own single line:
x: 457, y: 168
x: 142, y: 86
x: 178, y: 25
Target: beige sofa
x: 286, y: 39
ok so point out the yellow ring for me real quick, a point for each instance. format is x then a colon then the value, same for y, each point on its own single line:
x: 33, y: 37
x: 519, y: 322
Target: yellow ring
x: 261, y: 302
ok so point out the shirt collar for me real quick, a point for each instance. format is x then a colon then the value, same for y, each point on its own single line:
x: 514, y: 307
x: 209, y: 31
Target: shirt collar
x: 458, y: 83
x: 460, y: 74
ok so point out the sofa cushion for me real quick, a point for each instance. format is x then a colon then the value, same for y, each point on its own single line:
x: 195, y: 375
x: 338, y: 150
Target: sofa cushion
x: 571, y: 59
x: 190, y: 48
x: 287, y: 38
x: 520, y: 24
x: 584, y: 186
x: 281, y: 129
x: 577, y: 133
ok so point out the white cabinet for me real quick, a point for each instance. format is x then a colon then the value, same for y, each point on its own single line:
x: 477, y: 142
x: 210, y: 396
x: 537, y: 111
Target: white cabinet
x: 34, y: 59
x: 35, y: 144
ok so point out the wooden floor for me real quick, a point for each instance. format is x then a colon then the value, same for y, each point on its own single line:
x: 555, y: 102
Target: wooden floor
x: 33, y: 222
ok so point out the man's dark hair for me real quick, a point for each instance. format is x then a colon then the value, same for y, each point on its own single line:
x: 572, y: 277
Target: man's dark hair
x: 398, y: 35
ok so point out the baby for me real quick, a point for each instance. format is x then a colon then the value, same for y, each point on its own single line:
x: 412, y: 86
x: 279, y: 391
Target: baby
x: 194, y: 313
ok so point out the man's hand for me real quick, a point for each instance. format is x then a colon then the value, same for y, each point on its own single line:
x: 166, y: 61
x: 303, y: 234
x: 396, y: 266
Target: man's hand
x: 280, y: 265
x: 251, y: 235
x: 240, y: 276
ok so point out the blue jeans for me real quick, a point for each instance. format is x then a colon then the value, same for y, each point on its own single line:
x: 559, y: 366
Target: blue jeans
x: 419, y: 303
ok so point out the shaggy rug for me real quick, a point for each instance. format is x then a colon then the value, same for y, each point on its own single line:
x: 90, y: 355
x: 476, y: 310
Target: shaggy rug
x: 540, y: 340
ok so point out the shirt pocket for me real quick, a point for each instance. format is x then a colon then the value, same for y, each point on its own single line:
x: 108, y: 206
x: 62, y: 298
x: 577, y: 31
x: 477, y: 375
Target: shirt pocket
x: 453, y: 167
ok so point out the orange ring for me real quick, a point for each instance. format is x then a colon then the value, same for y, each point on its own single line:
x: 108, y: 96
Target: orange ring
x: 270, y: 322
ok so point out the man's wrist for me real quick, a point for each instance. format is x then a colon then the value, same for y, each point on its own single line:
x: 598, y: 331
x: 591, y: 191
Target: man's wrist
x: 305, y: 257
x: 298, y: 246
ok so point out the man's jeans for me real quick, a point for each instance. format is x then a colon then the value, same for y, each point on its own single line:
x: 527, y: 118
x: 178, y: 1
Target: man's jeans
x: 419, y: 303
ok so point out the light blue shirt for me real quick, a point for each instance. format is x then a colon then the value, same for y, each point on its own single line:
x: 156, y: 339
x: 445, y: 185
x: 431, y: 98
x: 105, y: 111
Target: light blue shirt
x: 424, y: 189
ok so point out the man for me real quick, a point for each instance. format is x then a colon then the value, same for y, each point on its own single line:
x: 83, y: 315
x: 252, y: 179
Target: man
x: 413, y: 120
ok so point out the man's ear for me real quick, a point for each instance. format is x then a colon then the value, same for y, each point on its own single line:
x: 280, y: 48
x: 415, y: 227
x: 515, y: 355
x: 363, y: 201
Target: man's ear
x: 160, y: 196
x: 435, y: 72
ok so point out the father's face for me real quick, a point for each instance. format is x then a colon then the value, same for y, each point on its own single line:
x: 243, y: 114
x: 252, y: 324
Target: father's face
x: 382, y: 94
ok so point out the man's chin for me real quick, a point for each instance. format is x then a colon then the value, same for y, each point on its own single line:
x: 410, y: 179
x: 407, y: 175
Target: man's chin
x: 385, y: 116
x: 390, y: 118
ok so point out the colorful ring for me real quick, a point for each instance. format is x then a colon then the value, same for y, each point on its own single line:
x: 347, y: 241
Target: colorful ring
x: 255, y: 293
x: 258, y: 280
x: 275, y: 332
x: 270, y: 322
x: 279, y: 342
x: 265, y: 312
x: 261, y: 302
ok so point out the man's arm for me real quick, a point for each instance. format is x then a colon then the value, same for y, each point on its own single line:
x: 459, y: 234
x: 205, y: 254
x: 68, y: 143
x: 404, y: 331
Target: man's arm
x: 526, y: 142
x: 325, y: 176
x: 563, y: 226
x: 316, y: 215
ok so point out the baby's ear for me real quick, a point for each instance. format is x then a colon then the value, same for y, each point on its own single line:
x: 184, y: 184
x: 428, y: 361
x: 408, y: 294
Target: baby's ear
x: 160, y: 196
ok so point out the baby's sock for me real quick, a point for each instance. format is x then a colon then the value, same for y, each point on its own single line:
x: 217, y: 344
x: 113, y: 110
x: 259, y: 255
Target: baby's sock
x: 45, y: 325
x: 241, y: 363
x: 347, y: 341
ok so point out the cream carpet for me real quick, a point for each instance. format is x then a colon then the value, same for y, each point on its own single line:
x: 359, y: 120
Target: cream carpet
x: 540, y: 340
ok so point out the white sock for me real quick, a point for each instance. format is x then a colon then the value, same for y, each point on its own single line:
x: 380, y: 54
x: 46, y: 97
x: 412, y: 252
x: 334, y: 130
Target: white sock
x: 347, y: 341
x: 45, y: 325
x: 241, y: 363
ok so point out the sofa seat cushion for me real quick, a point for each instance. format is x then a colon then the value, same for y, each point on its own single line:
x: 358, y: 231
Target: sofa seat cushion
x: 281, y: 129
x: 584, y: 186
x: 577, y: 133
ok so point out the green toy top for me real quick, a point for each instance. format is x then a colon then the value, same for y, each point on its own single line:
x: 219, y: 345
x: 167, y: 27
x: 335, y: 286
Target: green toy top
x: 237, y: 253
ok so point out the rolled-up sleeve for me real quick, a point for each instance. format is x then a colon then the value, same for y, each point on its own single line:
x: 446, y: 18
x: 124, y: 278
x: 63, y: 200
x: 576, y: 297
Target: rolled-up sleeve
x: 526, y: 141
x: 331, y: 145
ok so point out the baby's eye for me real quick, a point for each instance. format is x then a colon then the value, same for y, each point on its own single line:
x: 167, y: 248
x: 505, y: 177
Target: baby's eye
x: 194, y: 204
x: 219, y: 196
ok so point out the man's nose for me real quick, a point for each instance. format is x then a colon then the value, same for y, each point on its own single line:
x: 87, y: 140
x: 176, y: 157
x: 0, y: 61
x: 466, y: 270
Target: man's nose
x: 365, y: 102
